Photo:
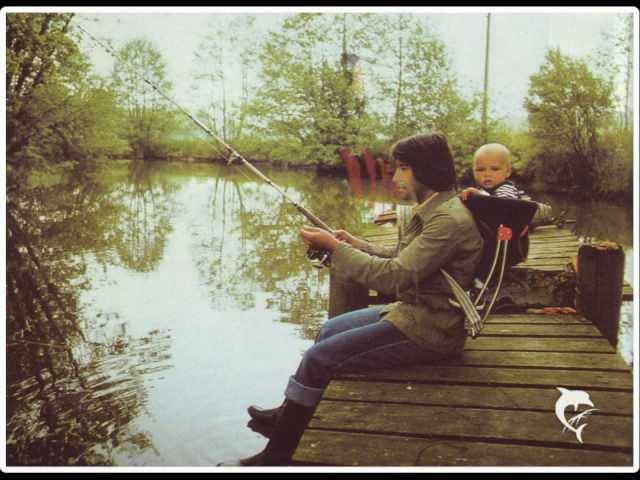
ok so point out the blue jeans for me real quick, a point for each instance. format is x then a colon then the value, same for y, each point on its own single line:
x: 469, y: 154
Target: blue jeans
x: 353, y: 342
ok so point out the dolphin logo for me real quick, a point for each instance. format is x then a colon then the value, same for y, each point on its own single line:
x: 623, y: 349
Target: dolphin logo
x: 575, y: 398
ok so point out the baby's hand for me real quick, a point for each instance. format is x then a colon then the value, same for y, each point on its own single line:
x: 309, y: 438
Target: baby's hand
x: 464, y: 194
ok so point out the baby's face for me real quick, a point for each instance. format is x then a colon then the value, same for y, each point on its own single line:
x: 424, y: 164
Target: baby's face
x: 490, y: 169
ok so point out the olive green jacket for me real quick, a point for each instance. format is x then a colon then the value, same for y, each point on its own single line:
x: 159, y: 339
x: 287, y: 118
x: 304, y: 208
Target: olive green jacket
x: 440, y: 234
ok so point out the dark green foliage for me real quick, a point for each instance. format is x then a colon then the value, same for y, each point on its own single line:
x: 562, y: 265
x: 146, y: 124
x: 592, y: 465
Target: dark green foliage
x: 568, y: 106
x: 59, y: 122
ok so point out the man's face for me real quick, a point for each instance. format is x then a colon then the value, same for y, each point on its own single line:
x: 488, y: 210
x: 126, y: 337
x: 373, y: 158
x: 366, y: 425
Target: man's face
x: 404, y: 183
x: 490, y: 170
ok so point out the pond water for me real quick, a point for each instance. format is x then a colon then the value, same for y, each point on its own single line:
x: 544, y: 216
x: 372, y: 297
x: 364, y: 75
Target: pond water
x: 197, y: 301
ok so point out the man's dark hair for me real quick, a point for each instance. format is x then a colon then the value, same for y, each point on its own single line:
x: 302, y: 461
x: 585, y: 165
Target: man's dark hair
x: 429, y: 157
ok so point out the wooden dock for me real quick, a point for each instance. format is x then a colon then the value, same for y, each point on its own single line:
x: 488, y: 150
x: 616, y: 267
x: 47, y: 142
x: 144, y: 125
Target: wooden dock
x: 494, y: 406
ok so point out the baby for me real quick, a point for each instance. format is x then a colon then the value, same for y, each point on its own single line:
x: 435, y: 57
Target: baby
x: 491, y: 170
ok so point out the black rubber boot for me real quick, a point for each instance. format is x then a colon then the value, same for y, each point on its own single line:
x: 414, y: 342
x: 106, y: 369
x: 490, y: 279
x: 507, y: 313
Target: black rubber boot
x: 263, y: 428
x: 263, y: 415
x: 289, y: 429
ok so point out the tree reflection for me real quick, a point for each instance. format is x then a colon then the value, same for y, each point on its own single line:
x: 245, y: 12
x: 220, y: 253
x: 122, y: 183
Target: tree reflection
x: 266, y: 253
x: 83, y: 417
x: 145, y: 223
x: 70, y: 399
x: 221, y: 250
x: 282, y: 268
x: 251, y: 242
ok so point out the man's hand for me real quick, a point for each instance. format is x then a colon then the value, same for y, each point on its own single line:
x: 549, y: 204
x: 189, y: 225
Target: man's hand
x: 345, y: 236
x: 319, y: 239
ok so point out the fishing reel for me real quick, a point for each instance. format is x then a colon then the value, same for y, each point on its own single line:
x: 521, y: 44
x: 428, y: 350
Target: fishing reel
x: 319, y: 258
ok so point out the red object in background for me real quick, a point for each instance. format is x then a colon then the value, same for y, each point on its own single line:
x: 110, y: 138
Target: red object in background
x: 370, y: 165
x: 352, y: 165
x: 385, y: 173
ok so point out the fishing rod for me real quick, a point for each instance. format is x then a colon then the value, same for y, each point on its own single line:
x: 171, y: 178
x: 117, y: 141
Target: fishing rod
x: 321, y: 257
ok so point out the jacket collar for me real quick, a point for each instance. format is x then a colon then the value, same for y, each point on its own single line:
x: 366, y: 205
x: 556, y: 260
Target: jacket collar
x: 425, y: 209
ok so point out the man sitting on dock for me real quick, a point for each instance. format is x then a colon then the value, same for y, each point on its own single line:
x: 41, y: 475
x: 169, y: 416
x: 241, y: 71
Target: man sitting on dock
x: 421, y: 327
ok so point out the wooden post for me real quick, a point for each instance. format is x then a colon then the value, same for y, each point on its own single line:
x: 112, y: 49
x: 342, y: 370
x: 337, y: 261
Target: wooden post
x: 599, y: 286
x: 346, y: 297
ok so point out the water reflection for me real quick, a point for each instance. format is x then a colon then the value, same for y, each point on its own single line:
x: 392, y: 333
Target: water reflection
x: 145, y: 221
x: 220, y: 243
x: 71, y: 397
x: 248, y: 242
x: 82, y: 417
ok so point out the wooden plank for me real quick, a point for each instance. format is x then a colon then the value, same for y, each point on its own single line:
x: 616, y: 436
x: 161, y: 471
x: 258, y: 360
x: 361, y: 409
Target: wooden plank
x: 471, y: 396
x: 543, y: 268
x: 603, y: 432
x: 530, y: 377
x: 554, y: 236
x: 551, y: 245
x: 558, y: 260
x: 563, y: 256
x: 535, y: 319
x: 554, y: 239
x: 550, y: 249
x: 590, y: 361
x: 552, y: 232
x: 552, y: 254
x: 555, y: 253
x: 318, y: 447
x: 545, y: 228
x: 542, y: 330
x: 563, y: 259
x: 558, y: 266
x: 554, y: 244
x: 553, y: 227
x: 535, y: 344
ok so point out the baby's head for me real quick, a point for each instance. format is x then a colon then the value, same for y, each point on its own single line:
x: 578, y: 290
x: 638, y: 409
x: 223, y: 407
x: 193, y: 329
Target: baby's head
x: 491, y: 165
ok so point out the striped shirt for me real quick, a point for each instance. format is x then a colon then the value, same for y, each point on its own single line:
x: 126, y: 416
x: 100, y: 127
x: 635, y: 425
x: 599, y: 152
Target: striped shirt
x: 505, y: 190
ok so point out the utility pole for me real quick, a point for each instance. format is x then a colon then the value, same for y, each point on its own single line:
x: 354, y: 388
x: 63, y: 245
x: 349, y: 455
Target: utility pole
x: 628, y: 47
x: 485, y: 98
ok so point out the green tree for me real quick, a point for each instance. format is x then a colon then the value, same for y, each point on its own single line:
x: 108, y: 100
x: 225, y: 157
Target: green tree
x: 149, y: 120
x: 310, y: 102
x: 415, y: 83
x: 56, y: 112
x: 567, y: 105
